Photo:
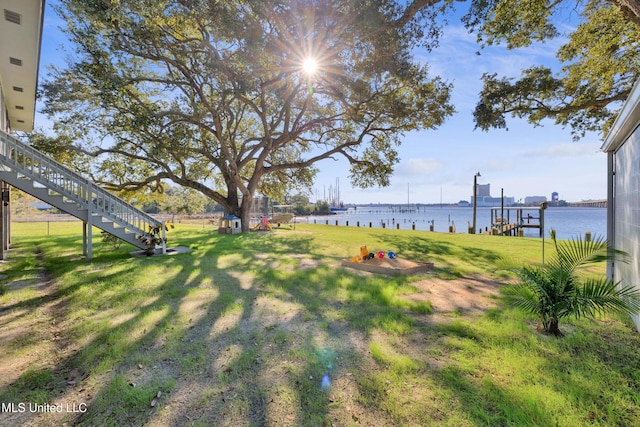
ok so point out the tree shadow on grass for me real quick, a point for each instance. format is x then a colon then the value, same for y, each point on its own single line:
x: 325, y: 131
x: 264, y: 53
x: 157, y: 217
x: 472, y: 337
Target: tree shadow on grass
x: 555, y: 378
x: 238, y: 331
x: 601, y: 351
x: 487, y: 403
x: 173, y: 342
x: 446, y: 256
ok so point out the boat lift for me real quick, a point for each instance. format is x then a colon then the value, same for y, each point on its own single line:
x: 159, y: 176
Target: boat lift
x: 504, y: 226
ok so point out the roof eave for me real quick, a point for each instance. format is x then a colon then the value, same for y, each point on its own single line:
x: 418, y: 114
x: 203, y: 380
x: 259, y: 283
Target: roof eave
x: 626, y: 122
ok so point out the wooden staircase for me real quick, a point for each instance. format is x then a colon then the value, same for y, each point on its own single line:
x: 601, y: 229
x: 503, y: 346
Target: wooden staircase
x: 33, y: 172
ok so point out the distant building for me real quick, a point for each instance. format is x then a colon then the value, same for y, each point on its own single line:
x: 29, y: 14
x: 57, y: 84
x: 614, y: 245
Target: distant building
x: 555, y: 196
x: 534, y: 200
x: 484, y: 198
x: 484, y: 190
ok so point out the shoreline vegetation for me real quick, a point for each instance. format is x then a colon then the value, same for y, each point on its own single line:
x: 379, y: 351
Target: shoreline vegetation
x: 267, y: 329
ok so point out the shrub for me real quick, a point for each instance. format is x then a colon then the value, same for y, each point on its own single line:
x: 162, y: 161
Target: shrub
x: 555, y: 290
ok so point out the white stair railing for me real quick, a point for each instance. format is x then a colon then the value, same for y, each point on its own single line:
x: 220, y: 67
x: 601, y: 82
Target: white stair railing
x: 31, y: 163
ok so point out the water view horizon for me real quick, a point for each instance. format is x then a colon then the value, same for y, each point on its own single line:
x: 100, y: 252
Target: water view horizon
x: 568, y: 222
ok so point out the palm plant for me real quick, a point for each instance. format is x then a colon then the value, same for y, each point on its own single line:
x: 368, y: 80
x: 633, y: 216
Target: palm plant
x: 556, y: 290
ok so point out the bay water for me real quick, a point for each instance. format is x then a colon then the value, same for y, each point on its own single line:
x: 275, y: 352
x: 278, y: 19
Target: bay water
x: 568, y: 222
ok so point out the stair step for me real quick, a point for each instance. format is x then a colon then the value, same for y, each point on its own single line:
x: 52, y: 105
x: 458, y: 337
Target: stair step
x: 32, y: 180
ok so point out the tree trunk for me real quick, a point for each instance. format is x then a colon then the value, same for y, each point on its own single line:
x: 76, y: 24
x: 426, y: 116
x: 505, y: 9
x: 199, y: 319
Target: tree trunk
x: 245, y: 212
x: 552, y: 327
x: 240, y: 207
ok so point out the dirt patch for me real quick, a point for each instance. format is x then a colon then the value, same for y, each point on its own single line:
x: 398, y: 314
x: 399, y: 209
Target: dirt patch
x: 27, y: 330
x: 459, y: 296
x: 37, y: 342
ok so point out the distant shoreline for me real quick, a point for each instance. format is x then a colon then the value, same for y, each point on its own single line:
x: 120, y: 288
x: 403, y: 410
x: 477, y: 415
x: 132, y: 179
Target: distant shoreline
x: 458, y: 205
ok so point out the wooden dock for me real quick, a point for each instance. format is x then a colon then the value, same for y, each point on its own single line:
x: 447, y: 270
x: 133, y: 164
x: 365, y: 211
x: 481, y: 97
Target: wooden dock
x: 525, y: 217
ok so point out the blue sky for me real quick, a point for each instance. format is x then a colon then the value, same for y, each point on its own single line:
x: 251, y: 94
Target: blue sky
x: 439, y: 165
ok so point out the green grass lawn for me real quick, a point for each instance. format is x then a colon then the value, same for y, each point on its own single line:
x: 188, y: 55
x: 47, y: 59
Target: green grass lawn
x: 268, y: 329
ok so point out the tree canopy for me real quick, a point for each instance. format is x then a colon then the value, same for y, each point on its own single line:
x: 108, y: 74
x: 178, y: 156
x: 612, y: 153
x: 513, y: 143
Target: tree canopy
x: 600, y: 63
x: 237, y: 97
x: 216, y: 96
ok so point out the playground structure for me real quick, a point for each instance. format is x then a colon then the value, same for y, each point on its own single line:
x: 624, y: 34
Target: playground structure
x: 230, y: 224
x: 268, y: 223
x: 281, y: 218
x: 263, y: 225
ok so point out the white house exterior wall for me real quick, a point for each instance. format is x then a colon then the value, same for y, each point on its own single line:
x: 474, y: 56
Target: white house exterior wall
x: 3, y: 112
x: 623, y: 214
x: 626, y: 205
x: 20, y: 35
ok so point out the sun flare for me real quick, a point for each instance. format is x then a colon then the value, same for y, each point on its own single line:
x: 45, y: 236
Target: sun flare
x: 310, y: 66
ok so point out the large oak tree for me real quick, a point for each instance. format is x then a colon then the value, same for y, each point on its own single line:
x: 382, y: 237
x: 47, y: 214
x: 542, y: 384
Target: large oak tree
x: 231, y: 98
x: 213, y: 95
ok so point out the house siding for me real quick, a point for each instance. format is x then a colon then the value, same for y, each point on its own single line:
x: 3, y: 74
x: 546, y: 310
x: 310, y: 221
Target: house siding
x: 4, y: 120
x: 626, y: 210
x: 623, y: 209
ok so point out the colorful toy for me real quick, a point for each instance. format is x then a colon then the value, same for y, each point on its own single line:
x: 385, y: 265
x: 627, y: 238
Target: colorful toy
x: 364, y: 253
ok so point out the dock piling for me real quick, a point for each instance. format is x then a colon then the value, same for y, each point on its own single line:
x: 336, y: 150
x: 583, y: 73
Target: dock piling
x: 504, y: 227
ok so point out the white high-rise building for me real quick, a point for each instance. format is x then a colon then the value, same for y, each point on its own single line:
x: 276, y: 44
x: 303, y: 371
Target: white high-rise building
x: 484, y: 198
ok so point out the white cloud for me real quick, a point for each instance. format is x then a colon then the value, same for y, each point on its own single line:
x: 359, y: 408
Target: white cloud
x: 565, y: 150
x: 419, y: 167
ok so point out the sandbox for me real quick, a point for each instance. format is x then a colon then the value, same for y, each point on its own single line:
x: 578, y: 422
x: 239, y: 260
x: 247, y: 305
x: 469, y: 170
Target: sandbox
x: 394, y: 267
